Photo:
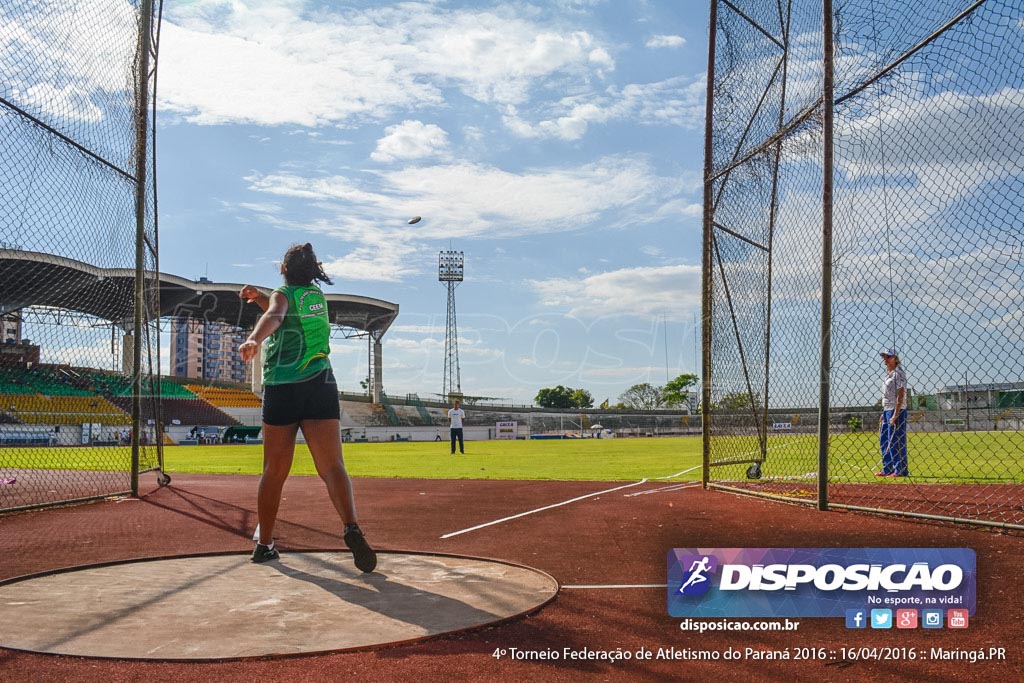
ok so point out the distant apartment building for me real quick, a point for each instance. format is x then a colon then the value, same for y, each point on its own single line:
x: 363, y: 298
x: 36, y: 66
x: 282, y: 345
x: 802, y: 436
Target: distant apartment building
x: 205, y: 350
x: 10, y: 328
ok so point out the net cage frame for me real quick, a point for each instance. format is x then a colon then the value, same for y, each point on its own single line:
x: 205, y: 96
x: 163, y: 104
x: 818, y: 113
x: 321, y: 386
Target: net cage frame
x: 798, y: 93
x: 99, y: 147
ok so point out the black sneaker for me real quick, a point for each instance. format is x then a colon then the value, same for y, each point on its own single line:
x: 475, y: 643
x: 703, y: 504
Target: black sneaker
x: 265, y: 553
x: 365, y: 558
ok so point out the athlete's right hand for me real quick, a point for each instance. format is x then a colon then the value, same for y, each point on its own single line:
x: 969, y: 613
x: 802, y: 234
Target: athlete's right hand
x: 249, y: 293
x: 248, y: 350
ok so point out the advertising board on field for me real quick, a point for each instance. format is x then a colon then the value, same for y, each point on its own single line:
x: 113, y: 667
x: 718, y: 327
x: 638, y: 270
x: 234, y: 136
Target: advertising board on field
x: 506, y: 430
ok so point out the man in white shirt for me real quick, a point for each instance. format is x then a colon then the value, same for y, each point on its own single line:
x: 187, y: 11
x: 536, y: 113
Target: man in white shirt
x: 456, y: 414
x: 892, y: 424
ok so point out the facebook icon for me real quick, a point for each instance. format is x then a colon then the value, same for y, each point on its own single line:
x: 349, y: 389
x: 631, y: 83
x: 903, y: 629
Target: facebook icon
x: 856, y: 618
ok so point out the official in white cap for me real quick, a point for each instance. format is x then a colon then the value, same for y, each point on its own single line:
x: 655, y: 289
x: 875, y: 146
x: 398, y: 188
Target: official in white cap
x: 892, y: 432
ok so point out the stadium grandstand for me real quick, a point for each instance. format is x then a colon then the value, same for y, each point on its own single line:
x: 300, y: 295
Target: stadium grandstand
x: 49, y: 393
x: 36, y: 392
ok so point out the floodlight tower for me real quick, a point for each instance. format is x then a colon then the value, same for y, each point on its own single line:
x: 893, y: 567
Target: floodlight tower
x: 450, y: 271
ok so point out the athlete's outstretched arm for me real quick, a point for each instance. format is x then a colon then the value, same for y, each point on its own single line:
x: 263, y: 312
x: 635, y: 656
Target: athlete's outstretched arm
x: 265, y: 326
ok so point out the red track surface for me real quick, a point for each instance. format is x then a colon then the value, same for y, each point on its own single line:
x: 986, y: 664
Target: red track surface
x: 610, y: 539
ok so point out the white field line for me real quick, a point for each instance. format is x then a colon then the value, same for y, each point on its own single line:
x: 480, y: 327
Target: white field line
x: 617, y: 585
x: 664, y: 489
x: 546, y: 507
x: 741, y: 458
x: 679, y: 474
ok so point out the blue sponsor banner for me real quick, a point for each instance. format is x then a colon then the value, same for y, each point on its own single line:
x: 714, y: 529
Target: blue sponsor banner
x: 817, y: 582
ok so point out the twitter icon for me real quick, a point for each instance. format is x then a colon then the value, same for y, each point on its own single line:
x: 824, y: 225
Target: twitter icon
x: 881, y: 618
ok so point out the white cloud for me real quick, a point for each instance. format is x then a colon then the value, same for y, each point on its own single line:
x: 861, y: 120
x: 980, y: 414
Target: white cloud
x: 86, y: 355
x: 69, y: 102
x: 665, y: 41
x: 56, y: 69
x: 417, y: 329
x: 625, y: 373
x: 347, y: 349
x: 377, y: 257
x: 1011, y: 322
x: 411, y: 140
x: 258, y: 207
x: 600, y: 57
x: 677, y: 101
x: 680, y: 208
x: 463, y: 199
x: 673, y: 291
x: 38, y: 35
x: 273, y: 63
x: 472, y: 348
x: 941, y: 132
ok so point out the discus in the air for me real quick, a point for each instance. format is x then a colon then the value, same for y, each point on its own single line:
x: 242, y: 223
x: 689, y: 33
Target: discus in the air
x: 415, y: 219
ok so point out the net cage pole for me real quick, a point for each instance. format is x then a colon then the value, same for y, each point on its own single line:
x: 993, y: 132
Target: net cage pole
x: 828, y: 100
x: 754, y: 471
x: 141, y: 142
x: 157, y: 390
x: 706, y: 273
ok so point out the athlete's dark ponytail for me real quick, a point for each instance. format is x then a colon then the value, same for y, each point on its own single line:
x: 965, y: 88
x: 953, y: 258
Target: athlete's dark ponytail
x: 301, y: 267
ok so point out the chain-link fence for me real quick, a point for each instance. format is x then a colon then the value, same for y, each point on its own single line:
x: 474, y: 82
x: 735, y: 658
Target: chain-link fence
x: 894, y: 216
x: 77, y: 250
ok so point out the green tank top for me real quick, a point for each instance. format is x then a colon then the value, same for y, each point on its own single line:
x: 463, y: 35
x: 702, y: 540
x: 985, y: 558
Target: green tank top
x: 300, y: 348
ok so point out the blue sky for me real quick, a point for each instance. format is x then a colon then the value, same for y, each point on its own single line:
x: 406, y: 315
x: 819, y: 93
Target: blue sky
x: 558, y: 144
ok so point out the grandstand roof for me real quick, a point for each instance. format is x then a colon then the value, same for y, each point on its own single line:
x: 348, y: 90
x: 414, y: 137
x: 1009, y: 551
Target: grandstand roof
x: 27, y: 278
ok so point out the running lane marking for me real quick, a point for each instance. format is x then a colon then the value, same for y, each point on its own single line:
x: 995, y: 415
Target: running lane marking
x: 619, y: 585
x: 546, y: 507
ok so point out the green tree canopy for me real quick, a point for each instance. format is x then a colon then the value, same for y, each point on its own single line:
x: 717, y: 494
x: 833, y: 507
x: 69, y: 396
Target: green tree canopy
x: 737, y: 400
x: 563, y: 397
x: 581, y: 398
x: 677, y: 391
x: 643, y: 396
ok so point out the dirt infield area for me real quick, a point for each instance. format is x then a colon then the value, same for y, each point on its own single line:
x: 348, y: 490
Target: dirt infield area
x: 608, y: 552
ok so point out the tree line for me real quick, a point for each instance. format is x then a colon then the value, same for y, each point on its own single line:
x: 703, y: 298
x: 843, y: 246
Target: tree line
x: 643, y: 396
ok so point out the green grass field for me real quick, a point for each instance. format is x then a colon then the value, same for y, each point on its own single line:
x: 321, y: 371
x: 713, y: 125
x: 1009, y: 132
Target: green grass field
x: 932, y: 456
x: 570, y: 459
x: 946, y: 457
x: 586, y: 460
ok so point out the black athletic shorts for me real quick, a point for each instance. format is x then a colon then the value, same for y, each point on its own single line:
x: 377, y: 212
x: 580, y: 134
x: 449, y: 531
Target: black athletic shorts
x: 314, y: 399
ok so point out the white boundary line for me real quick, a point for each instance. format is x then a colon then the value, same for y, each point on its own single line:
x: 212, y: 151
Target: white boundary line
x: 665, y: 489
x: 618, y: 585
x: 738, y: 459
x: 679, y: 474
x: 546, y: 507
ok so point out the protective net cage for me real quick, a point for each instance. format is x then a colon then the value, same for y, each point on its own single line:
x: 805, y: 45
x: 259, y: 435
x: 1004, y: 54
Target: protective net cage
x: 78, y: 250
x: 914, y: 244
